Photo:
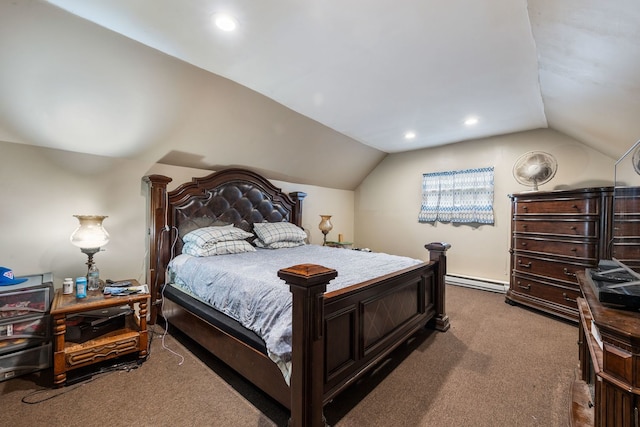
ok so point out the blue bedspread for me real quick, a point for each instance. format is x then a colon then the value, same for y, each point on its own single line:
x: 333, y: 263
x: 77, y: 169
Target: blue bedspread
x: 246, y: 286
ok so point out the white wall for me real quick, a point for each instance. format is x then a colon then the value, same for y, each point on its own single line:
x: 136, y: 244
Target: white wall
x: 388, y: 200
x: 43, y: 188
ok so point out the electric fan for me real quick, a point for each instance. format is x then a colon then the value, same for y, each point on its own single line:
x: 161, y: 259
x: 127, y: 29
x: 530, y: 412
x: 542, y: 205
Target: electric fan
x: 535, y: 168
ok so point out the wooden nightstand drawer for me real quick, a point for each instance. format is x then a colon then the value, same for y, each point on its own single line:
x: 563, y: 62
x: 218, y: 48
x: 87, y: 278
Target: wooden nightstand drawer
x: 556, y: 247
x: 104, y: 348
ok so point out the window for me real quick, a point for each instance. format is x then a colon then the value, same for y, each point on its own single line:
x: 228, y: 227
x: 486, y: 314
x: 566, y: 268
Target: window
x: 458, y: 196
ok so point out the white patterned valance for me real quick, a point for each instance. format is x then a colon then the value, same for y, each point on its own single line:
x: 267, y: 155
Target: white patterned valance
x: 464, y: 196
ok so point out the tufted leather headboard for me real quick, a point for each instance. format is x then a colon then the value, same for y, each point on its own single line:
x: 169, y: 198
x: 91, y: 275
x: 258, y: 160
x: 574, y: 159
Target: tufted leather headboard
x: 238, y: 202
x: 237, y: 196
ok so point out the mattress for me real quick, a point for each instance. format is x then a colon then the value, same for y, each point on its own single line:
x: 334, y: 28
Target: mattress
x: 246, y: 287
x: 214, y: 317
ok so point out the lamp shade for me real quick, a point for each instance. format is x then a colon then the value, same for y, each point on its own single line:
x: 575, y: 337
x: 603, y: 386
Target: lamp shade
x: 325, y: 224
x: 90, y: 233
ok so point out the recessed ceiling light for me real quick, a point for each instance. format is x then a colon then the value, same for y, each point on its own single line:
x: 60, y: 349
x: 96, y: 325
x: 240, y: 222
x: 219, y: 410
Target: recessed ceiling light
x: 471, y: 121
x: 225, y: 22
x: 409, y: 135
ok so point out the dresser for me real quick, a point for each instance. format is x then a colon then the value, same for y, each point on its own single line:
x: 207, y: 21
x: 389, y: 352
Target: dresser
x: 625, y: 244
x: 606, y: 392
x: 554, y: 235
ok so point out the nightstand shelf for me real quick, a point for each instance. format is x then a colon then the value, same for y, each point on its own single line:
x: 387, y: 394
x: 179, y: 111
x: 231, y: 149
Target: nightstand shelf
x: 344, y: 245
x: 130, y: 338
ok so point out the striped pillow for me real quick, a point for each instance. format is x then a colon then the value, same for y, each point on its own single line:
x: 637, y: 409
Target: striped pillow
x: 270, y: 232
x: 220, y: 248
x: 211, y: 235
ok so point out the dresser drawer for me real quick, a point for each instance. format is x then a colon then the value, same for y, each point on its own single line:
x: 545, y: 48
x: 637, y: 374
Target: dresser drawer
x: 555, y: 269
x: 626, y: 228
x: 568, y: 227
x: 25, y: 361
x: 26, y: 301
x: 557, y: 206
x: 21, y: 332
x: 556, y: 247
x: 561, y: 295
x: 626, y: 251
x: 626, y: 204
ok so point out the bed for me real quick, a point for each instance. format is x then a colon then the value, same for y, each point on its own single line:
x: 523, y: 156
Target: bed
x: 337, y: 334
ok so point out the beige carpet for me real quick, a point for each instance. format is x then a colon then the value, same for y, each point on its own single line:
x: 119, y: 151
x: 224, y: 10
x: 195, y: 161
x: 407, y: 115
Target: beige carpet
x: 164, y: 391
x: 498, y: 365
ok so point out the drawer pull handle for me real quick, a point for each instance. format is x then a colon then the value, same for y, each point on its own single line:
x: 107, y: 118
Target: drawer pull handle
x: 525, y: 207
x: 574, y: 228
x: 566, y: 298
x: 568, y: 273
x: 525, y: 287
x: 527, y: 265
x: 524, y: 244
x: 574, y: 249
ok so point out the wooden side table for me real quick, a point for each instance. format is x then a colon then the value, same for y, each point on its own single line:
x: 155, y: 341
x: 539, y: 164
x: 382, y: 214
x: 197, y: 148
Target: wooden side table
x: 129, y: 339
x: 343, y: 245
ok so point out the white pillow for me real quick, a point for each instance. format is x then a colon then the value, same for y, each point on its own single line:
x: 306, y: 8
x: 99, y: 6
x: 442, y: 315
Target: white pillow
x: 220, y: 248
x: 277, y: 245
x: 211, y: 235
x: 270, y: 232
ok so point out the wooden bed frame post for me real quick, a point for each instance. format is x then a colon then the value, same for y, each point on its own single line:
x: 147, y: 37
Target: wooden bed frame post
x: 307, y: 283
x: 438, y: 253
x: 297, y: 197
x: 157, y: 255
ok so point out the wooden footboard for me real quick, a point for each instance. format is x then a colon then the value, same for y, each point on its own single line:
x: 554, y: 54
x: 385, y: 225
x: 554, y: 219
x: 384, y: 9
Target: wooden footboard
x: 339, y: 336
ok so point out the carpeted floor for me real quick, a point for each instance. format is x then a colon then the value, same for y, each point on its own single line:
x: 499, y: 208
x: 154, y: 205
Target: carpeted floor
x: 498, y: 365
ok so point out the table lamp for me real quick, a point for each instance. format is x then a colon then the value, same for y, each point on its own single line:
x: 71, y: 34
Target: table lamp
x: 90, y: 236
x: 325, y: 226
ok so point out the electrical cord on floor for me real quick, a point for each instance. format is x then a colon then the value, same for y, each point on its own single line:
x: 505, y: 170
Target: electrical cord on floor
x: 166, y: 330
x: 81, y: 381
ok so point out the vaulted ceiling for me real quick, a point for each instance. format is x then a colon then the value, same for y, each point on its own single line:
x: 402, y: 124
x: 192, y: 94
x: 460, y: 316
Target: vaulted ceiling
x: 375, y: 70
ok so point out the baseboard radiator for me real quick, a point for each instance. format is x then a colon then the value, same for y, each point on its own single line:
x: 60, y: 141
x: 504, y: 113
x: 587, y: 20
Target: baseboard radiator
x: 477, y: 283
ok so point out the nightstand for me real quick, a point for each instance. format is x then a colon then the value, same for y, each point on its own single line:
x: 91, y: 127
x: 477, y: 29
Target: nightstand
x: 130, y: 338
x: 343, y: 245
